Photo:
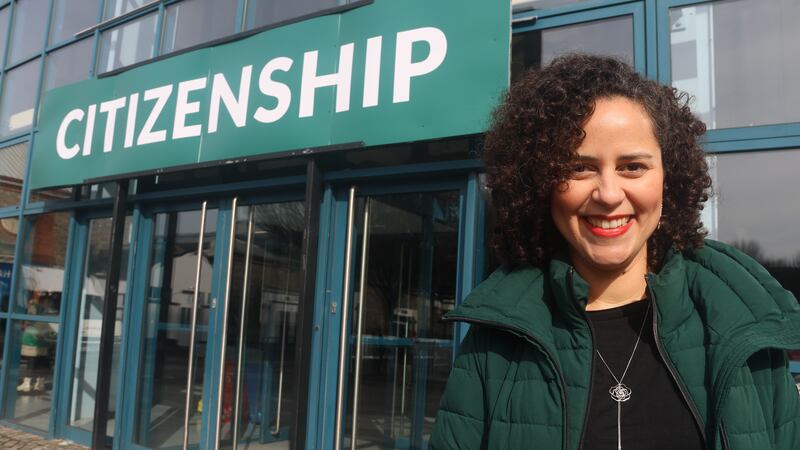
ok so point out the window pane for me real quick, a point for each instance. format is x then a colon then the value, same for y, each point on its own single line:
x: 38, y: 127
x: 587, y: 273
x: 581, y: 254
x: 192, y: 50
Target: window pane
x: 68, y: 65
x: 602, y: 37
x: 127, y: 44
x: 3, y: 27
x: 48, y: 195
x: 19, y: 92
x: 87, y: 351
x: 164, y: 357
x: 70, y: 17
x: 193, y: 22
x: 717, y: 62
x: 116, y: 8
x: 42, y: 277
x: 757, y: 209
x: 8, y: 236
x: 30, y: 21
x: 12, y: 170
x: 30, y: 387
x: 266, y: 12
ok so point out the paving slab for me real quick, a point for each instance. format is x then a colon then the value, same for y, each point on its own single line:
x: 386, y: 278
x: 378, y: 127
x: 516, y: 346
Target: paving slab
x: 11, y: 439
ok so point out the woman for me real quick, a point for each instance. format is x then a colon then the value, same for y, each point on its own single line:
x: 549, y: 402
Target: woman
x: 612, y: 324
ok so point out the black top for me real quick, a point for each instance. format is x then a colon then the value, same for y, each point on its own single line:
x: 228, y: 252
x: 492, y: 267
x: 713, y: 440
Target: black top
x: 655, y: 417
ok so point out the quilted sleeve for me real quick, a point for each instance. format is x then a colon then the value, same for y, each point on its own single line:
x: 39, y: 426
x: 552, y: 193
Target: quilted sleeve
x: 787, y: 406
x: 460, y: 419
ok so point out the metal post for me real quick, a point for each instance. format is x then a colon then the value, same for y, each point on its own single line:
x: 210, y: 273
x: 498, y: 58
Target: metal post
x: 305, y: 311
x: 106, y: 357
x: 193, y: 332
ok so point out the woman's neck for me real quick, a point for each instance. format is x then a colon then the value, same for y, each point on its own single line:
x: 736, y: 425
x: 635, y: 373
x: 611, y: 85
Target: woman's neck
x: 614, y: 288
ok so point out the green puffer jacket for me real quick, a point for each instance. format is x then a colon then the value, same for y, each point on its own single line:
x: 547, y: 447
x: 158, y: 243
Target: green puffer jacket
x: 723, y: 325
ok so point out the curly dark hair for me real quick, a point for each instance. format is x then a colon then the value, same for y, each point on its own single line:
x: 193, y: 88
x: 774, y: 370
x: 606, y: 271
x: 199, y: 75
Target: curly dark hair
x: 531, y: 148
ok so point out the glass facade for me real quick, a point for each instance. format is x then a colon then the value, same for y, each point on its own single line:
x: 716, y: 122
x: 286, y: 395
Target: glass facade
x: 612, y: 36
x: 41, y: 280
x: 713, y: 60
x: 12, y: 171
x: 744, y: 88
x: 193, y: 22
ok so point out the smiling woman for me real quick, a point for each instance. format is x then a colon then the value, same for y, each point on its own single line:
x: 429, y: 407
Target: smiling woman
x: 612, y: 323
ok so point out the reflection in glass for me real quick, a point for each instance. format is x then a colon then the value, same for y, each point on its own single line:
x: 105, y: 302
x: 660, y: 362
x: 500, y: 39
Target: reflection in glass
x: 30, y: 389
x: 68, y: 65
x: 756, y: 209
x: 406, y: 350
x: 116, y: 8
x: 90, y: 320
x: 717, y: 50
x: 8, y: 239
x: 273, y: 278
x: 164, y: 359
x: 4, y: 15
x: 127, y: 44
x: 28, y: 31
x: 266, y: 12
x: 19, y: 91
x: 70, y: 17
x: 12, y: 170
x: 42, y: 275
x: 193, y: 22
x: 612, y: 37
x: 758, y: 212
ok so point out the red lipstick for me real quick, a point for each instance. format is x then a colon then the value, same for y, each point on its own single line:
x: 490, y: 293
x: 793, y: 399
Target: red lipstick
x: 607, y: 232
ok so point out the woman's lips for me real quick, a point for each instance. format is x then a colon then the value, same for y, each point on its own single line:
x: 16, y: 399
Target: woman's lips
x: 607, y: 232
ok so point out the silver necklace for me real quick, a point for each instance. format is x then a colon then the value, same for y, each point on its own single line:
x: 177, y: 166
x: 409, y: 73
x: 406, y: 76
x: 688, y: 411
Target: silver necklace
x: 619, y: 392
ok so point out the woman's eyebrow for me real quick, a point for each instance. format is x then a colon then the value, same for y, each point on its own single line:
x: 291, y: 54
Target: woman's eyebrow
x: 625, y: 157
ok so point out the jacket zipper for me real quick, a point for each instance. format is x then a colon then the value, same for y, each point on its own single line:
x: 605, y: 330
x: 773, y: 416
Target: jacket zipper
x: 522, y: 333
x: 724, y: 436
x: 591, y: 364
x: 671, y: 369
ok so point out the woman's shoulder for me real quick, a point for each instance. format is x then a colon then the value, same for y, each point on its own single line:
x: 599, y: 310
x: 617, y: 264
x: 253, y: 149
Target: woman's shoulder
x: 719, y: 262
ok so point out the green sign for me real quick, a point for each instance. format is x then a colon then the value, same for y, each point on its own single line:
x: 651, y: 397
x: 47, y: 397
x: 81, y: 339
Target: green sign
x: 391, y: 71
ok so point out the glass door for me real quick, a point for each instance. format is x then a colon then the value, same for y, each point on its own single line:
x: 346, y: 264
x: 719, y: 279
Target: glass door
x: 178, y: 295
x: 400, y: 277
x: 259, y: 384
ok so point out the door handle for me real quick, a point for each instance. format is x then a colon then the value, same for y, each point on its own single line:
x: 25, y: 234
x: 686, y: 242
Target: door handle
x: 192, y: 334
x: 242, y: 322
x: 345, y: 311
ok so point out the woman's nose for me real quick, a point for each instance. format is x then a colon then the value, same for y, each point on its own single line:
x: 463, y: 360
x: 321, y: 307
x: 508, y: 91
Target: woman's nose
x: 609, y: 191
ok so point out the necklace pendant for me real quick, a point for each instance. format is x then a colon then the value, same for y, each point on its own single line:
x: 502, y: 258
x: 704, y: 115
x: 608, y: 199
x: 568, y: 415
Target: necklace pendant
x: 620, y: 393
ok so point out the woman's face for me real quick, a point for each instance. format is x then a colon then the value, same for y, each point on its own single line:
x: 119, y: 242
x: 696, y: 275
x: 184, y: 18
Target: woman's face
x: 612, y: 203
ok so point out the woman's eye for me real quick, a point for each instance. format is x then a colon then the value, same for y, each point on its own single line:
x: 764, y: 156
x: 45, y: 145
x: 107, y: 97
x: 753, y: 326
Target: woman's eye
x: 633, y: 168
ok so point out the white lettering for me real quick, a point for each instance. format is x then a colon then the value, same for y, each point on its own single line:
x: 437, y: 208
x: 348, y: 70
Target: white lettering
x: 110, y: 108
x: 147, y: 135
x: 87, y: 137
x: 61, y: 140
x: 341, y: 79
x: 184, y: 107
x: 236, y: 106
x: 405, y: 69
x: 276, y: 89
x: 372, y: 72
x: 130, y: 126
